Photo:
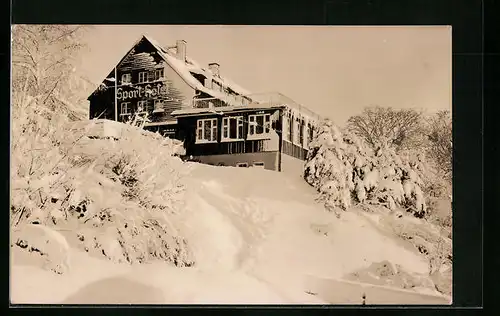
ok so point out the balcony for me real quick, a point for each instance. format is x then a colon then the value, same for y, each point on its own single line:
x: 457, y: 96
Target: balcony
x: 266, y: 99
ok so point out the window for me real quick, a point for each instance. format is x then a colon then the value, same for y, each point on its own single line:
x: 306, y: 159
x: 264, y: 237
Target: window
x: 232, y: 128
x: 143, y: 76
x: 126, y: 78
x: 206, y: 131
x: 125, y: 109
x: 296, y: 132
x: 158, y: 106
x: 242, y: 164
x: 286, y: 134
x: 301, y: 134
x: 159, y: 74
x: 305, y: 130
x: 141, y: 106
x: 258, y: 164
x: 259, y: 124
x: 151, y: 76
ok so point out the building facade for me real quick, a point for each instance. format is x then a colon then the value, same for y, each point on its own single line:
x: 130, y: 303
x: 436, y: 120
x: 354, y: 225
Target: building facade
x: 219, y: 122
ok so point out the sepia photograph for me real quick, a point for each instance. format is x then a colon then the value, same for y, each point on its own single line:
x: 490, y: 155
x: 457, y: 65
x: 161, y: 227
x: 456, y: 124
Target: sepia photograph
x: 224, y: 164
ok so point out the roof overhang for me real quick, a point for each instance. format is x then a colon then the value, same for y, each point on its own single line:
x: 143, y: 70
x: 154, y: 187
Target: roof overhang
x: 222, y: 110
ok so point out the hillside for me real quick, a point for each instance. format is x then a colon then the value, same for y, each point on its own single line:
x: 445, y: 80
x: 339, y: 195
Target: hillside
x: 234, y: 235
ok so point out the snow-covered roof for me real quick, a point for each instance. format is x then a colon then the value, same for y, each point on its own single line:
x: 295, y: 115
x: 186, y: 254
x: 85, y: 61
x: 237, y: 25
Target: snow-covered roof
x: 184, y: 69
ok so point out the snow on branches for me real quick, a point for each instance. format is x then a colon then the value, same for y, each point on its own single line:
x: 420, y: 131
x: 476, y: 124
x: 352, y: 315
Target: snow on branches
x: 345, y: 171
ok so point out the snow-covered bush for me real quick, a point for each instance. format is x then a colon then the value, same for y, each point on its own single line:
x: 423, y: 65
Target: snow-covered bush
x: 77, y: 177
x: 346, y: 171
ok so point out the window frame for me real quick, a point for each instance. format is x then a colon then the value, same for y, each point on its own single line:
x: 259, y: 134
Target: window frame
x: 226, y: 124
x: 128, y: 76
x: 201, y: 128
x: 144, y: 106
x: 128, y: 107
x: 296, y: 132
x: 252, y: 126
x: 285, y: 129
x: 157, y: 75
x: 144, y: 75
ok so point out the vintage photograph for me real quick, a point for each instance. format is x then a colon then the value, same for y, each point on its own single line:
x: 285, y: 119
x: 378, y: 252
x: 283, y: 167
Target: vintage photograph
x: 219, y: 164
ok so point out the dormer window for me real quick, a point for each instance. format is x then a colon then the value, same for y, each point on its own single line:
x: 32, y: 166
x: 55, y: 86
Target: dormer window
x: 126, y: 78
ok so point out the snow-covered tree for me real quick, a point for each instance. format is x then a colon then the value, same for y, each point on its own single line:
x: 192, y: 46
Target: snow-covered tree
x: 44, y: 63
x: 109, y: 189
x: 345, y: 171
x: 440, y: 140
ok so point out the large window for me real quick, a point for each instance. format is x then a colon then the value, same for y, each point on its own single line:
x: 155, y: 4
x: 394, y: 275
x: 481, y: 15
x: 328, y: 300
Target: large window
x: 259, y: 125
x: 143, y: 77
x: 126, y: 78
x: 206, y: 131
x: 232, y: 128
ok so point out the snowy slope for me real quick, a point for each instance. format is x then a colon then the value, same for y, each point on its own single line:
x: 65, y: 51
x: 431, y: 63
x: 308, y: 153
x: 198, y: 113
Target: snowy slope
x: 258, y: 237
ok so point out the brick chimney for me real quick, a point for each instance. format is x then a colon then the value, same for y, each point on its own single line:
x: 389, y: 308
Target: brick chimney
x: 214, y: 68
x: 181, y: 50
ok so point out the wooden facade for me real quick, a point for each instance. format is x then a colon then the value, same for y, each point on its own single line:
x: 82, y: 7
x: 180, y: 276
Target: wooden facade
x: 145, y: 84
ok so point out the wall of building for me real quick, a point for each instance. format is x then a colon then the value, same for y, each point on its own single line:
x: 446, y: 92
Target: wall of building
x: 187, y: 132
x: 269, y: 158
x: 292, y: 166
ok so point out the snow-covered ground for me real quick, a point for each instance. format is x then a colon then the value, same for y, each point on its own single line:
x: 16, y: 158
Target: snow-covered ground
x: 258, y: 237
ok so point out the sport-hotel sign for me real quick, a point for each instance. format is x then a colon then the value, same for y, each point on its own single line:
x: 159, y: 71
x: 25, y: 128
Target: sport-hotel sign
x: 142, y: 91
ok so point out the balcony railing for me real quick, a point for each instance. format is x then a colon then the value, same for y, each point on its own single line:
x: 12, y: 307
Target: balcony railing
x: 267, y: 99
x: 207, y: 103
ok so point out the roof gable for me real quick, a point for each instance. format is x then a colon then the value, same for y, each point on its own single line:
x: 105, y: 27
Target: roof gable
x: 185, y: 69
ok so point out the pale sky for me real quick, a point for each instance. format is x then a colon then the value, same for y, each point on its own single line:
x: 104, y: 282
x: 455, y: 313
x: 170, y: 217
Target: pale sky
x: 334, y: 71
